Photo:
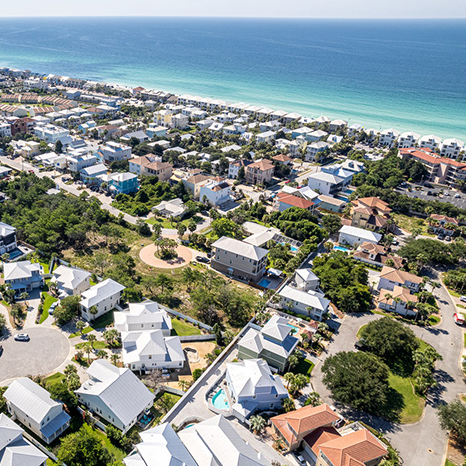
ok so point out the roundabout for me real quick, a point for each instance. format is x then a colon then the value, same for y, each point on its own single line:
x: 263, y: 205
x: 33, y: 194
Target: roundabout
x: 184, y: 257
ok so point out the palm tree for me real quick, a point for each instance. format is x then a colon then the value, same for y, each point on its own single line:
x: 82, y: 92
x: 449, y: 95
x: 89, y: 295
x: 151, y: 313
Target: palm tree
x: 88, y: 349
x: 313, y: 399
x: 257, y: 424
x: 299, y: 382
x: 80, y: 326
x: 101, y: 354
x: 288, y: 405
x: 24, y: 296
x: 91, y: 338
x: 279, y: 443
x: 183, y: 384
x: 289, y: 377
x: 114, y: 357
x: 53, y: 289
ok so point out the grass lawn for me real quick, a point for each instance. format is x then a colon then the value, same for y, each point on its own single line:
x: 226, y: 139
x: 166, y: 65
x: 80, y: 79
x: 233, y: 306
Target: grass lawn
x: 304, y: 367
x: 449, y: 463
x: 48, y: 301
x: 409, y: 223
x: 97, y: 345
x: 103, y: 321
x: 165, y: 222
x: 413, y: 404
x: 54, y: 379
x: 434, y: 320
x: 119, y: 454
x: 85, y: 330
x: 464, y: 340
x: 183, y: 328
x: 454, y: 293
x: 163, y: 403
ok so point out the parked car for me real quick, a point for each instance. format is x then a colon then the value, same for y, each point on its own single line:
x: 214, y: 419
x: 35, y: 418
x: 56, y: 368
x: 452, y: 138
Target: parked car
x: 440, y: 237
x: 301, y: 461
x: 459, y: 319
x: 446, y: 193
x: 463, y: 299
x: 53, y: 306
x: 1, y: 350
x: 31, y: 171
x: 360, y: 345
x: 202, y: 259
x: 457, y: 195
x: 22, y: 337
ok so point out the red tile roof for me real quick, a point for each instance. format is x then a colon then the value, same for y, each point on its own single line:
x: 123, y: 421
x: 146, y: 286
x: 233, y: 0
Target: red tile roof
x: 294, y: 201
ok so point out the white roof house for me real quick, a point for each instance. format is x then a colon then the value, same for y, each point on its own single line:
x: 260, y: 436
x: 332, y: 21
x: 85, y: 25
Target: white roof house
x: 306, y: 279
x: 23, y: 276
x: 160, y: 446
x: 215, y: 442
x: 147, y: 350
x: 14, y: 449
x: 174, y: 208
x: 33, y: 406
x: 236, y: 246
x: 115, y: 394
x: 143, y: 316
x: 71, y: 281
x: 253, y: 387
x: 352, y: 236
x: 104, y: 296
x: 310, y: 303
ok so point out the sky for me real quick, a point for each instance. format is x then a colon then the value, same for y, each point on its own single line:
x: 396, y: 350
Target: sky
x: 241, y: 8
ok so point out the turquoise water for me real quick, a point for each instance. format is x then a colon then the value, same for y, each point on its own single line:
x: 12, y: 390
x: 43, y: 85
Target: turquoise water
x: 292, y: 248
x: 339, y: 248
x: 264, y: 282
x: 220, y: 400
x: 408, y: 75
x: 294, y: 329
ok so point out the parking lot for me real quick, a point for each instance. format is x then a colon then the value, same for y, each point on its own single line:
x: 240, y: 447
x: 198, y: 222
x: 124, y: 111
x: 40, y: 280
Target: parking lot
x: 47, y: 349
x: 434, y: 194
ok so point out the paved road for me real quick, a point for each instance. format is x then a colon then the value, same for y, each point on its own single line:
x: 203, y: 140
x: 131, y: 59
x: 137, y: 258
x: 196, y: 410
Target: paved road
x: 450, y: 198
x: 423, y: 443
x: 47, y: 350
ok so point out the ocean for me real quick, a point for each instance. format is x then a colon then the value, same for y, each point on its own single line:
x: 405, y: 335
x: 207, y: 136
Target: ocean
x: 407, y: 75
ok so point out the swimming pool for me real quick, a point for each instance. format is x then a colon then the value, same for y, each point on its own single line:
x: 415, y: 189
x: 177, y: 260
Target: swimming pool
x: 292, y: 248
x: 294, y: 330
x: 339, y: 248
x: 264, y: 282
x: 220, y: 400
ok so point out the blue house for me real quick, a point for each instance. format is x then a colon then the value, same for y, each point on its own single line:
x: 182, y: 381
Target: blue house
x: 123, y: 183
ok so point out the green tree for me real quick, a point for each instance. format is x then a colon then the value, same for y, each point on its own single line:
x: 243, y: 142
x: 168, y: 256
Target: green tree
x: 257, y: 424
x: 181, y: 230
x: 288, y: 405
x: 91, y: 338
x: 313, y: 399
x: 80, y: 326
x: 59, y: 147
x: 3, y: 325
x: 93, y: 311
x: 226, y: 227
x: 331, y: 222
x: 67, y: 310
x: 452, y: 417
x: 357, y: 379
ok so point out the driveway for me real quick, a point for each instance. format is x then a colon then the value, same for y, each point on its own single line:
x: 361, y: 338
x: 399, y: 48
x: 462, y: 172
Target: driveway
x: 47, y: 349
x: 422, y: 443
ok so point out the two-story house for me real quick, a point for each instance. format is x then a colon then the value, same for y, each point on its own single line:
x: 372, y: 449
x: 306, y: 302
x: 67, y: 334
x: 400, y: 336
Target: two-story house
x: 32, y: 405
x: 100, y: 298
x: 215, y: 192
x: 389, y: 278
x: 151, y: 166
x: 115, y: 151
x: 370, y: 213
x: 7, y: 238
x: 122, y: 183
x: 234, y: 167
x: 23, y: 276
x: 309, y: 303
x: 239, y: 259
x: 70, y: 281
x: 260, y: 172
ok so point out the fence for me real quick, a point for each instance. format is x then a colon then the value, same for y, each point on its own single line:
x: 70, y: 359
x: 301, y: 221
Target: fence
x: 188, y: 338
x: 44, y: 450
x: 173, y: 390
x: 187, y: 318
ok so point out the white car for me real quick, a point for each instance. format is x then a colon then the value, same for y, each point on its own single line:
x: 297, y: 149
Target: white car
x: 463, y: 299
x: 22, y: 337
x: 301, y: 461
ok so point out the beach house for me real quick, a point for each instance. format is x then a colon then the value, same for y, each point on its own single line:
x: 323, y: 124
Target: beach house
x: 260, y: 172
x: 309, y: 303
x: 23, y: 276
x: 100, y: 299
x: 70, y: 281
x: 7, y: 238
x: 451, y: 148
x: 353, y: 236
x: 390, y: 277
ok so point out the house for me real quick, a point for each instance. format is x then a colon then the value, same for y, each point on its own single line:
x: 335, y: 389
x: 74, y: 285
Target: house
x: 389, y: 278
x: 143, y: 316
x: 140, y: 135
x: 77, y: 161
x: 408, y: 139
x: 352, y: 445
x: 397, y: 300
x: 23, y: 276
x: 317, y: 135
x: 306, y: 280
x: 15, y: 449
x: 283, y: 159
x: 122, y: 183
x: 376, y: 254
x: 443, y: 225
x: 294, y: 426
x: 309, y: 303
x: 194, y: 183
x: 234, y: 167
x: 266, y: 137
x: 260, y: 172
x: 103, y: 297
x: 336, y: 125
x: 370, y: 213
x: 32, y: 405
x: 331, y: 203
x: 451, y: 148
x: 274, y: 343
x: 354, y: 129
x: 90, y: 175
x: 156, y: 131
x: 239, y: 259
x: 114, y: 394
x: 326, y: 183
x: 253, y: 387
x: 353, y: 236
x: 146, y: 350
x: 7, y: 238
x: 150, y: 166
x: 52, y: 134
x: 70, y: 281
x: 216, y: 442
x: 160, y: 446
x: 173, y: 208
x: 114, y: 152
x: 314, y: 149
x: 389, y: 137
x: 215, y: 192
x: 285, y: 201
x: 430, y: 141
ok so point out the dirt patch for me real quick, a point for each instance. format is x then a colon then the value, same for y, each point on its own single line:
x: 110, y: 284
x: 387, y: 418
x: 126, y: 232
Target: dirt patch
x: 202, y: 348
x: 455, y: 452
x: 184, y: 257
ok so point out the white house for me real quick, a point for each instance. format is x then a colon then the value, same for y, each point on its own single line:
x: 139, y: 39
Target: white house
x: 266, y: 137
x: 388, y: 137
x: 309, y: 303
x: 148, y: 350
x: 306, y: 280
x: 52, y: 134
x: 143, y: 316
x: 354, y: 236
x: 313, y: 150
x: 325, y: 183
x: 253, y: 387
x: 407, y: 140
x: 397, y: 301
x: 174, y: 208
x: 23, y: 276
x: 336, y: 125
x: 77, y: 161
x: 430, y: 141
x: 114, y: 151
x: 451, y: 148
x: 389, y: 278
x: 160, y: 446
x: 32, y: 405
x: 7, y: 238
x: 115, y: 394
x: 234, y: 167
x: 104, y: 296
x: 71, y: 281
x: 216, y: 442
x: 14, y: 449
x: 217, y: 193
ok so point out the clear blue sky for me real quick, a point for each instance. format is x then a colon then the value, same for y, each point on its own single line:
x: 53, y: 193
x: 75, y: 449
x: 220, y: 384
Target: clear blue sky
x: 243, y: 8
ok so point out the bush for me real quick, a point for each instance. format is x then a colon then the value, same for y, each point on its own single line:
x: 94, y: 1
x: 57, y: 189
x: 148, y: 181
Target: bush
x: 196, y: 374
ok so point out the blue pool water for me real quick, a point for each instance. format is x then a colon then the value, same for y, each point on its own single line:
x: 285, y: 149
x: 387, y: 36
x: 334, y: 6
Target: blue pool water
x: 220, y: 400
x: 264, y: 282
x: 292, y: 248
x: 188, y: 426
x: 339, y: 248
x: 294, y: 330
